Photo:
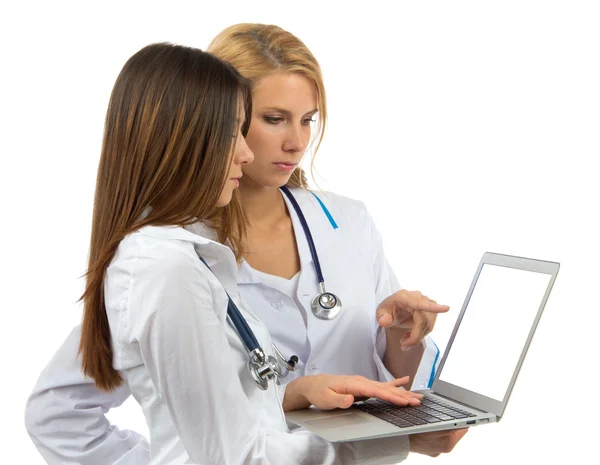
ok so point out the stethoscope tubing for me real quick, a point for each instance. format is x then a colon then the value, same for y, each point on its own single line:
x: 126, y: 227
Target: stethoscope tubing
x: 239, y: 322
x: 241, y: 325
x: 309, y: 238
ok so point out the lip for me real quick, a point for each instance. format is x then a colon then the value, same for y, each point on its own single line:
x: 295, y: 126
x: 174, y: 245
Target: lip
x: 236, y: 181
x: 287, y: 167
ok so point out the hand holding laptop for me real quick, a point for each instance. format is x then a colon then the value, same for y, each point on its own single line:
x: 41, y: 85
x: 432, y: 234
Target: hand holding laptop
x: 436, y: 442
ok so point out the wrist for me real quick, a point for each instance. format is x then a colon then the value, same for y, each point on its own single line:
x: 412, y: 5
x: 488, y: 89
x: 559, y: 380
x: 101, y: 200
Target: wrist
x: 396, y: 330
x: 295, y: 397
x: 394, y: 335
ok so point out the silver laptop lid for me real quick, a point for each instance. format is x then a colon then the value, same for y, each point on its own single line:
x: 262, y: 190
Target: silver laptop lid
x: 488, y: 344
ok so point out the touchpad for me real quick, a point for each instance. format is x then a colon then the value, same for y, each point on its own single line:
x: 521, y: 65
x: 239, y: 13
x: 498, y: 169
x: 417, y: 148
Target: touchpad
x: 339, y: 421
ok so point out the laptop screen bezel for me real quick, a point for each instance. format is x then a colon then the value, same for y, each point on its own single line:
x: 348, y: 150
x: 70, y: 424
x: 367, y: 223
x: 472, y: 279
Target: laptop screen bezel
x: 474, y: 399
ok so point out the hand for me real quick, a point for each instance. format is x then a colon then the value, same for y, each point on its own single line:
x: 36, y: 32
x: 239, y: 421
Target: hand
x: 436, y: 442
x: 338, y: 391
x: 411, y: 314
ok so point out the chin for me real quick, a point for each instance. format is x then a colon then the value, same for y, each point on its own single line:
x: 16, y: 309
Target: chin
x: 280, y: 179
x: 273, y: 181
x: 277, y: 183
x: 224, y: 200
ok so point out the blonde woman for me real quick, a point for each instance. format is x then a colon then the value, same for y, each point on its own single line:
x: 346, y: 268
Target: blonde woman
x: 277, y: 274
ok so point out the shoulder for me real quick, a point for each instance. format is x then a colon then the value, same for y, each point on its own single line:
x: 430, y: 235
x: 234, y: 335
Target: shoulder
x: 145, y: 254
x: 157, y: 273
x: 149, y: 267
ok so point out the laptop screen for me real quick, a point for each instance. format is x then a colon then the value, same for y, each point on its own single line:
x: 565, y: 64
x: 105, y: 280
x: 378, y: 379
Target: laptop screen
x: 494, y: 329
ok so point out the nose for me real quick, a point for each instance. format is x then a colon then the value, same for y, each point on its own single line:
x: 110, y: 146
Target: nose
x: 296, y: 138
x: 243, y: 154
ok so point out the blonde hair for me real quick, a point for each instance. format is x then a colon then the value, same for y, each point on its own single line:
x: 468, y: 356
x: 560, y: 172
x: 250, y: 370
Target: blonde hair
x: 258, y: 50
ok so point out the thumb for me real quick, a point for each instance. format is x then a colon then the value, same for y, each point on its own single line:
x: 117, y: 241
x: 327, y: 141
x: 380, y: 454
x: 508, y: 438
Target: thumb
x: 385, y: 316
x: 331, y: 399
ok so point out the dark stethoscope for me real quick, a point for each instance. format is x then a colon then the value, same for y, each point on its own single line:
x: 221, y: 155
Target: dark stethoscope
x: 325, y: 306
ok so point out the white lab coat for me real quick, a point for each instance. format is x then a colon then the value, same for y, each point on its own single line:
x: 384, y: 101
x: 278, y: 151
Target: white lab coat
x: 354, y: 267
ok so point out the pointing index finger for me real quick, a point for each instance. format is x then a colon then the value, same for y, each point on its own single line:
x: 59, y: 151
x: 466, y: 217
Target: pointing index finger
x: 434, y: 307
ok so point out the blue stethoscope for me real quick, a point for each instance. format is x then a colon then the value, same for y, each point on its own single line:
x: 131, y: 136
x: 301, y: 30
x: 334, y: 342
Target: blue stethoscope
x: 325, y: 306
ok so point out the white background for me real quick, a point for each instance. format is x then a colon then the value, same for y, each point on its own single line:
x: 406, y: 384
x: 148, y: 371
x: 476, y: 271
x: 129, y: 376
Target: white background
x: 464, y: 126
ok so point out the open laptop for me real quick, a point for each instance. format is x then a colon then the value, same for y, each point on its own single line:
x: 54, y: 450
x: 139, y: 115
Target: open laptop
x: 479, y: 368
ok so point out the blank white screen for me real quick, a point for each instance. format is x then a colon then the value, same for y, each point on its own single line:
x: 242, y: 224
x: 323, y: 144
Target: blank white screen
x: 494, y: 329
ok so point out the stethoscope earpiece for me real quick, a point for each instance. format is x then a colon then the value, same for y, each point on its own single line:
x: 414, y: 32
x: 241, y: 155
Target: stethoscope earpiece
x: 292, y: 362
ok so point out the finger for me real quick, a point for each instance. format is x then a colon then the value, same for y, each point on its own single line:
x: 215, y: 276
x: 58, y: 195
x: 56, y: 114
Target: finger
x: 386, y: 311
x: 398, y: 381
x: 362, y: 387
x: 385, y: 320
x: 423, y: 303
x: 452, y: 439
x: 401, y: 397
x: 459, y: 434
x: 432, y: 307
x: 330, y: 399
x: 422, y: 326
x: 385, y: 314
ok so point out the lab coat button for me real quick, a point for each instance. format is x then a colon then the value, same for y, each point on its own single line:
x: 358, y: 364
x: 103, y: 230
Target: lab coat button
x: 277, y: 304
x: 312, y: 367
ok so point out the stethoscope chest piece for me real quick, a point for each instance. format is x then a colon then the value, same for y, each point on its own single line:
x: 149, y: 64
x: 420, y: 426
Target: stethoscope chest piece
x: 263, y: 368
x: 326, y: 306
x: 262, y: 373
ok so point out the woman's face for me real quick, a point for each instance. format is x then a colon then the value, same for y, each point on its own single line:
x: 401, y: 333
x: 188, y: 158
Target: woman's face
x: 283, y: 110
x: 241, y: 155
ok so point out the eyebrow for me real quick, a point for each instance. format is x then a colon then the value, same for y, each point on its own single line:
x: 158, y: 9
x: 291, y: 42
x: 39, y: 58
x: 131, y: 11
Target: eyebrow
x: 286, y: 112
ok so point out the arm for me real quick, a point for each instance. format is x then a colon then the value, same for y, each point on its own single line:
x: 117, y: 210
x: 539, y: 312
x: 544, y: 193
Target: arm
x: 407, y: 316
x: 211, y: 410
x: 391, y: 359
x: 64, y: 416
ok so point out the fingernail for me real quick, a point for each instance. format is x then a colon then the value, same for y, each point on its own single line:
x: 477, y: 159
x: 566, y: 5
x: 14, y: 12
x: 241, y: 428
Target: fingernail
x: 406, y: 348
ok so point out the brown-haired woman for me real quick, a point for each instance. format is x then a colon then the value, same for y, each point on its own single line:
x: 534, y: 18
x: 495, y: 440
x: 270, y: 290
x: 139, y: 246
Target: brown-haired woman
x: 155, y: 315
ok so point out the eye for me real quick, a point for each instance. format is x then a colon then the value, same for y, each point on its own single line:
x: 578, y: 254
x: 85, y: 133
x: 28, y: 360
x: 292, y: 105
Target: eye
x: 273, y: 119
x: 307, y: 121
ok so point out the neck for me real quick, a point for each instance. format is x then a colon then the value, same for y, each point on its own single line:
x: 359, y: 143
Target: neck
x: 262, y: 205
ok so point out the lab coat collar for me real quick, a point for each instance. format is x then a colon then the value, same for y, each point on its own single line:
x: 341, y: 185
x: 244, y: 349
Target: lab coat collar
x: 322, y: 231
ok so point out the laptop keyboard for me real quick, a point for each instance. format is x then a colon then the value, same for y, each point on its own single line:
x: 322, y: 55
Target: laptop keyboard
x: 430, y: 411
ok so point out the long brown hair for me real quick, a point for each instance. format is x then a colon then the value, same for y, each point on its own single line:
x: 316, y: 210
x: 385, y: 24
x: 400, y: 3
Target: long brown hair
x: 256, y: 51
x: 168, y: 139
